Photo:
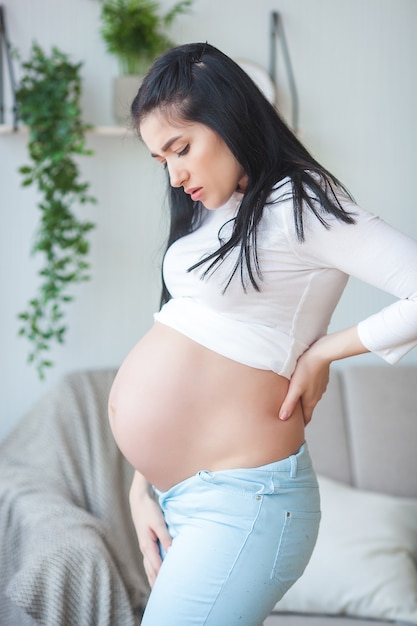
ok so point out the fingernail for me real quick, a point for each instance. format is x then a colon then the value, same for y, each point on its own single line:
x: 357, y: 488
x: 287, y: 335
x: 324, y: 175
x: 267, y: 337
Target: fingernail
x: 284, y: 415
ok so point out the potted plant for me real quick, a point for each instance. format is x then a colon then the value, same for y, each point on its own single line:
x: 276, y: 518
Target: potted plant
x: 135, y: 31
x: 48, y: 100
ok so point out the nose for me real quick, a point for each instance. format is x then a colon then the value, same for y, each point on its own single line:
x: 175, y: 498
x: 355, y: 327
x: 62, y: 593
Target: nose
x: 177, y: 174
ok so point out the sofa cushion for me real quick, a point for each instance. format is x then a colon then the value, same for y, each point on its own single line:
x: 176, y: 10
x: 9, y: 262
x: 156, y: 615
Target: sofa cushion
x: 326, y: 434
x: 381, y: 412
x: 297, y: 619
x: 364, y: 563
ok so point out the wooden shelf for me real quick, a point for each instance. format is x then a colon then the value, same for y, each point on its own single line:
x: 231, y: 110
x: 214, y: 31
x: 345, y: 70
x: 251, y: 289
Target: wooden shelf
x: 6, y: 130
x: 106, y: 131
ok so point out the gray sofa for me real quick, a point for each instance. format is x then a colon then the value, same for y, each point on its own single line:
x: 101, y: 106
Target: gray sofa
x: 68, y: 550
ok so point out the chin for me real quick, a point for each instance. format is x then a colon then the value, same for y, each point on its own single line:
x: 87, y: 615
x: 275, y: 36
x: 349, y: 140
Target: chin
x: 216, y: 204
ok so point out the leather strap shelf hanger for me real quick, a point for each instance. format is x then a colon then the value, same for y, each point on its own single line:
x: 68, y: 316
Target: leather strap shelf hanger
x: 5, y: 50
x: 277, y: 34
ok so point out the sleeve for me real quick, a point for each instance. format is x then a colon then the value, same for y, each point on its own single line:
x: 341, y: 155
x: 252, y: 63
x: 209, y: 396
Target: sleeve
x: 378, y: 254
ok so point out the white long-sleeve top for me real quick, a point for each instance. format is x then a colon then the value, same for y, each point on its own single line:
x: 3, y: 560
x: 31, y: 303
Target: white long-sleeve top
x: 301, y: 284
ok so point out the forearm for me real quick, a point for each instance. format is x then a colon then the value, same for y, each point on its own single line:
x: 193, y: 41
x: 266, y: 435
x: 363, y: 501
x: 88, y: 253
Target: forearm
x: 139, y: 488
x: 339, y: 345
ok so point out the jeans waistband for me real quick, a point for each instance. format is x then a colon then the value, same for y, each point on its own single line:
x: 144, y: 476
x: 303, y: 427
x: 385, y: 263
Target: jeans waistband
x: 291, y: 466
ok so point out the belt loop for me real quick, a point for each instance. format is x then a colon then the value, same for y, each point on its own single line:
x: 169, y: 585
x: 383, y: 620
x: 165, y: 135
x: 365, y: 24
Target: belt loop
x: 293, y: 467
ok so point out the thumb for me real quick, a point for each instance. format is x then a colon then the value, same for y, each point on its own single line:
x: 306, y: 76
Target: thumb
x: 164, y: 537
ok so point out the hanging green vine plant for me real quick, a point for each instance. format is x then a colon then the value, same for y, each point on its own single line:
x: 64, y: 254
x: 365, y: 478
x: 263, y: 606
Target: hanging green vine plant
x: 49, y: 105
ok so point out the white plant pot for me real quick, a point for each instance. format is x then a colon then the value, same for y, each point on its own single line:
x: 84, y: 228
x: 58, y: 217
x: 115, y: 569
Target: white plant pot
x: 125, y: 89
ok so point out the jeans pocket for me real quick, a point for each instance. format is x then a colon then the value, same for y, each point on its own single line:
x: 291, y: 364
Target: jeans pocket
x: 295, y: 547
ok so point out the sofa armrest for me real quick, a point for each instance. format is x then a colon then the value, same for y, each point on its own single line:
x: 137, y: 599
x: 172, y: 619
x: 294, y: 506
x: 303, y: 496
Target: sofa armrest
x: 67, y: 540
x: 64, y: 569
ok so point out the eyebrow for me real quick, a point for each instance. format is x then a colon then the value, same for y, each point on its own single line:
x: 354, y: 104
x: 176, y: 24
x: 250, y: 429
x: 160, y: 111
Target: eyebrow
x: 168, y: 144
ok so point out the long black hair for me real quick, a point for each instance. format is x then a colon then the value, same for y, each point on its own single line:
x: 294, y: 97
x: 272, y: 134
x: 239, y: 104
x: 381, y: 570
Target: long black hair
x: 199, y: 83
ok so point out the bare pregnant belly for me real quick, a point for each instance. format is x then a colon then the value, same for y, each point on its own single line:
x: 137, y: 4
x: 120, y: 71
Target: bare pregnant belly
x: 176, y: 408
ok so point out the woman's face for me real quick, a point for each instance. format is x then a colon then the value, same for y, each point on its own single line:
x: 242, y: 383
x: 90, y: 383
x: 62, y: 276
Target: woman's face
x: 197, y: 159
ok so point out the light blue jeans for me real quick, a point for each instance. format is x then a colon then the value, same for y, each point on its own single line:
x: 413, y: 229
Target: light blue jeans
x: 241, y: 538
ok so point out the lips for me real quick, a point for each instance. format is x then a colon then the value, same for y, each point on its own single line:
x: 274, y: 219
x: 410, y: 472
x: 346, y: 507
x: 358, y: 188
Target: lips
x: 195, y: 193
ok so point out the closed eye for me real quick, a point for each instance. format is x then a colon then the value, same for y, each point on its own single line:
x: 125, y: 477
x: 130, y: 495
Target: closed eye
x: 184, y: 151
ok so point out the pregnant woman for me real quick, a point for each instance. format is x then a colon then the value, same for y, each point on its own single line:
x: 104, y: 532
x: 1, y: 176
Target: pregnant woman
x: 211, y: 405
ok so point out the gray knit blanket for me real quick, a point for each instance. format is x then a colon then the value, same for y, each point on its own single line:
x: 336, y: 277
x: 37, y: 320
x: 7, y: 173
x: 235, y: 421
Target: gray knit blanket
x: 68, y: 550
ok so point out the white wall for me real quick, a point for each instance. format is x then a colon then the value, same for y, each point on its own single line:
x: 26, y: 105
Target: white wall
x: 355, y: 66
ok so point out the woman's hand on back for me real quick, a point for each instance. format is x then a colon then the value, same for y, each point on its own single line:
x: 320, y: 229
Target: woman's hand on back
x: 311, y: 375
x: 307, y: 385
